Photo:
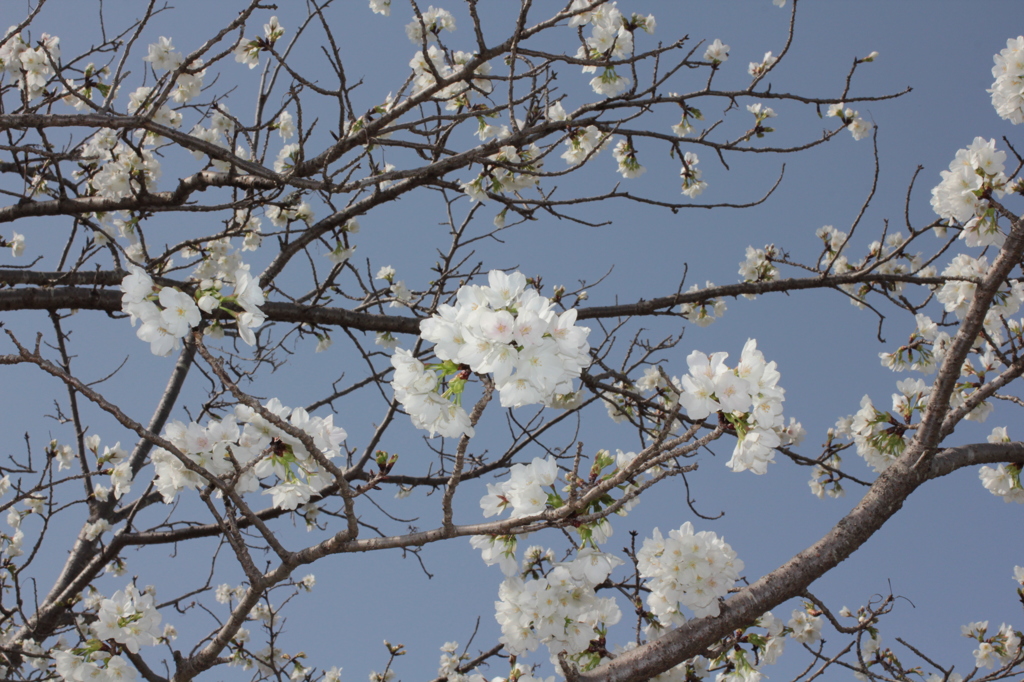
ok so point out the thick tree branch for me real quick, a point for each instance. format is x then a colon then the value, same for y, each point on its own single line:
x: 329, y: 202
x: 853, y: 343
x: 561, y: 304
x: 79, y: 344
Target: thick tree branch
x: 72, y: 297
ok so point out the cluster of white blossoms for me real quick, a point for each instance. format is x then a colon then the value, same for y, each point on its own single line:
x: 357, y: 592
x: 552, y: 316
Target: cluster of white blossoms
x: 974, y: 174
x: 435, y: 61
x: 857, y: 126
x: 30, y: 67
x: 504, y: 329
x: 401, y: 296
x: 513, y: 170
x: 806, y: 628
x: 957, y: 293
x: 625, y: 156
x: 825, y: 479
x: 114, y: 169
x: 747, y: 397
x: 690, y: 570
x: 879, y: 436
x: 428, y: 26
x: 113, y: 461
x: 693, y: 186
x: 244, y: 449
x: 1004, y: 479
x: 884, y: 257
x: 973, y: 371
x: 448, y: 64
x: 128, y: 618
x: 248, y: 51
x: 188, y: 84
x: 139, y: 103
x: 689, y: 115
x: 219, y: 133
x: 752, y: 651
x: 523, y: 492
x: 163, y: 57
x: 758, y: 265
x: 287, y: 158
x: 705, y: 312
x: 923, y: 351
x: 165, y: 324
x: 11, y: 544
x: 741, y: 662
x: 611, y: 37
x: 834, y: 241
x: 761, y: 114
x: 1008, y: 89
x: 168, y: 314
x: 558, y: 608
x: 999, y: 649
x: 448, y: 666
x: 418, y: 388
x: 927, y: 345
x: 686, y: 569
x: 758, y: 69
x: 530, y: 489
x: 381, y: 7
x: 581, y: 143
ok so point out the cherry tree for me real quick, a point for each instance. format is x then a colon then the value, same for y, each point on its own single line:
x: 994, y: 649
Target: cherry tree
x: 192, y: 222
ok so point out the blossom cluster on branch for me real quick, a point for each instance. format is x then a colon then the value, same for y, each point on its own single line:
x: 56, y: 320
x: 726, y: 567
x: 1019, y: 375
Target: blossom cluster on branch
x: 245, y: 449
x: 168, y: 314
x: 505, y: 329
